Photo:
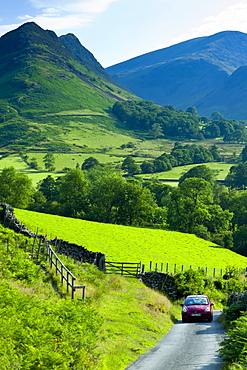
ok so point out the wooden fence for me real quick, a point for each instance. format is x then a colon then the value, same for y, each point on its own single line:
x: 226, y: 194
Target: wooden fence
x: 173, y: 268
x: 66, y: 275
x: 127, y: 269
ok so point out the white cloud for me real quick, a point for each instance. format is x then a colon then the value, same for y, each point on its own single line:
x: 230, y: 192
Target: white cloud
x: 90, y: 6
x: 232, y: 18
x: 82, y: 6
x: 24, y: 17
x: 63, y: 14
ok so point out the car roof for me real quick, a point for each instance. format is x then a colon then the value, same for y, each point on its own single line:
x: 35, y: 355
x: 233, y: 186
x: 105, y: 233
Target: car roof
x: 197, y: 295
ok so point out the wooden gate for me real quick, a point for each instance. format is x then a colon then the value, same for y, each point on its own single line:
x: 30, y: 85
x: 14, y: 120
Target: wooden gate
x: 128, y: 269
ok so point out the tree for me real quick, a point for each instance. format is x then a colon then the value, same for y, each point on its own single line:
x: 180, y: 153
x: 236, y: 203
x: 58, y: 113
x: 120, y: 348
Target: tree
x: 89, y: 162
x: 192, y: 110
x: 147, y: 167
x: 202, y: 172
x: 135, y: 205
x: 237, y: 176
x: 73, y: 193
x: 238, y: 205
x: 130, y: 166
x: 243, y: 154
x: 15, y: 188
x: 49, y: 188
x: 49, y: 162
x: 33, y: 163
x: 105, y: 189
x: 156, y: 130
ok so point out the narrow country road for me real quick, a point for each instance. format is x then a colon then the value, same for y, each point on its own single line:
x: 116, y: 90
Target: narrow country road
x: 188, y: 346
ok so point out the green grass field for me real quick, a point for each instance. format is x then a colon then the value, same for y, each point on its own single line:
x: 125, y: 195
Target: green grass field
x: 129, y: 244
x: 221, y: 169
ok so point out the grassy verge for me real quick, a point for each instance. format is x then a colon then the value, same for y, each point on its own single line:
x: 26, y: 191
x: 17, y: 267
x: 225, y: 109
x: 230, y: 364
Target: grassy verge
x: 120, y: 319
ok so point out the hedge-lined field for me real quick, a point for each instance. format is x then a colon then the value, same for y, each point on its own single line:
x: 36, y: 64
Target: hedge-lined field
x: 131, y: 244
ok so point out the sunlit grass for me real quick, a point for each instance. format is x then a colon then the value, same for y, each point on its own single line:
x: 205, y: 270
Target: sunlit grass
x: 129, y: 244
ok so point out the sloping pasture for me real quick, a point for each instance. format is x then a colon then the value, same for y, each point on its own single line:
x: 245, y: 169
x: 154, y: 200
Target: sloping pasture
x: 131, y: 244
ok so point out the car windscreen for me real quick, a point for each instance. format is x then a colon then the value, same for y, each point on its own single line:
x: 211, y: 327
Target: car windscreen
x: 196, y: 301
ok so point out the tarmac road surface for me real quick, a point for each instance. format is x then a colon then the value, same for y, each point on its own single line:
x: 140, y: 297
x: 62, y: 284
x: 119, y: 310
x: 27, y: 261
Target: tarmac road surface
x: 187, y: 346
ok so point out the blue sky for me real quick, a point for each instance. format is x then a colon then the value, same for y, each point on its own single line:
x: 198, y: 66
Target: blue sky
x: 117, y: 30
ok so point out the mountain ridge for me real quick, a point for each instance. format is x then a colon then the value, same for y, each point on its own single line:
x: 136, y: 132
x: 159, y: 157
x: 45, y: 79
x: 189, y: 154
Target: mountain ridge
x: 40, y: 75
x: 154, y: 76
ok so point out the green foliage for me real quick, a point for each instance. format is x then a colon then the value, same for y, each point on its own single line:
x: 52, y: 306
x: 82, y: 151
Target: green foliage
x: 237, y: 176
x: 202, y: 171
x: 89, y: 162
x: 73, y: 192
x: 130, y: 166
x: 49, y: 161
x: 46, y: 335
x: 15, y: 188
x: 234, y: 345
x: 190, y: 282
x: 181, y: 155
x: 167, y: 121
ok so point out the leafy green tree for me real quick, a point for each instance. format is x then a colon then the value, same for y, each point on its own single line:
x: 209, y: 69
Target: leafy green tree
x: 243, y: 154
x: 49, y: 188
x: 160, y: 192
x: 33, y: 163
x: 237, y: 176
x: 240, y: 240
x: 161, y: 165
x: 188, y: 204
x: 49, y: 162
x: 147, y: 167
x: 156, y: 130
x: 89, y: 162
x: 130, y: 166
x: 215, y: 153
x: 105, y: 189
x: 192, y: 110
x: 202, y: 172
x: 73, y: 193
x: 15, y: 188
x: 135, y: 205
x: 237, y: 204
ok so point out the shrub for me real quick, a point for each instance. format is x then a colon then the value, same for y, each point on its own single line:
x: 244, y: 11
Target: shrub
x: 42, y: 334
x: 233, y: 312
x: 190, y: 282
x: 235, y: 344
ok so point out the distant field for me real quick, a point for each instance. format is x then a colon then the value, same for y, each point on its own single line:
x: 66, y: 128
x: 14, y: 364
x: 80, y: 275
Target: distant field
x: 70, y: 160
x: 176, y: 172
x: 130, y: 244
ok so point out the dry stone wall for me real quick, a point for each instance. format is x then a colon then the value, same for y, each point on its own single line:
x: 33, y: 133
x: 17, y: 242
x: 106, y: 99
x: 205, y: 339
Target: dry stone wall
x: 153, y: 279
x: 238, y: 297
x: 161, y: 282
x: 77, y: 252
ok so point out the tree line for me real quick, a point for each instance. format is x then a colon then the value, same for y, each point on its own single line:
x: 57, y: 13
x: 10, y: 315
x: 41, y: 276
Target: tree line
x: 198, y: 205
x: 180, y: 155
x: 165, y: 121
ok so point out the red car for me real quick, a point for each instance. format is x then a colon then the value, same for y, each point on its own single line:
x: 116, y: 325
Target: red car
x: 197, y: 307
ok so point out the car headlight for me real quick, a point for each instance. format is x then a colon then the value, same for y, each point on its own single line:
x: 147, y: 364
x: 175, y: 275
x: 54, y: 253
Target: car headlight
x: 207, y: 309
x: 185, y: 309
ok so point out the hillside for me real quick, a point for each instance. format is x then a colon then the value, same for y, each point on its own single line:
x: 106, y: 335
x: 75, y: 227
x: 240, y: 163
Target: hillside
x: 132, y: 244
x: 191, y: 73
x: 42, y: 75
